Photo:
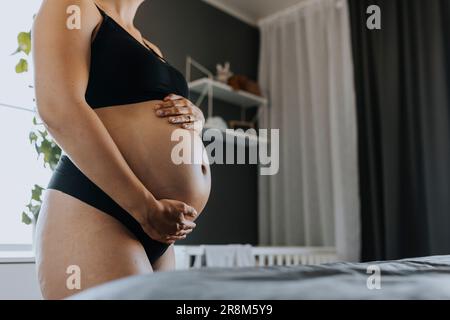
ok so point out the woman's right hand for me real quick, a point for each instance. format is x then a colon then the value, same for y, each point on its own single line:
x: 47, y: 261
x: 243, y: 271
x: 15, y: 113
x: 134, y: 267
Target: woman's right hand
x: 167, y: 220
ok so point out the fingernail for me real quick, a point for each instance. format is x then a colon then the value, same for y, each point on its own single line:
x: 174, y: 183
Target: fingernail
x: 173, y: 120
x: 160, y: 112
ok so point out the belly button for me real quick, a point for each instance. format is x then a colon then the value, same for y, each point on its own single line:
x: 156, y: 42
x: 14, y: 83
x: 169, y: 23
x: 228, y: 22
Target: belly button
x: 204, y: 169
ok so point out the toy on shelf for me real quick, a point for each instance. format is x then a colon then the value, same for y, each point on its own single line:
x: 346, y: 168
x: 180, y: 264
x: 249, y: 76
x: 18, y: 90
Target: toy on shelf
x: 241, y: 82
x: 224, y: 72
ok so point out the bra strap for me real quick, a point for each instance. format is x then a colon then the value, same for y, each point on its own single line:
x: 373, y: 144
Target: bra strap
x: 153, y: 51
x: 103, y: 13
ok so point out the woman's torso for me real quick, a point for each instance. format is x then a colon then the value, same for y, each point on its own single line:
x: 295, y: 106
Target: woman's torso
x: 126, y: 81
x: 145, y: 142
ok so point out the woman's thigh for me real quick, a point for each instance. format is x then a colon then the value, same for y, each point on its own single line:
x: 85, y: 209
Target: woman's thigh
x: 78, y: 247
x: 166, y: 262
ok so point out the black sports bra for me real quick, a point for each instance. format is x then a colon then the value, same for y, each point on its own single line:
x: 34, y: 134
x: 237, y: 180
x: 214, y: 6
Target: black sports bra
x: 124, y: 71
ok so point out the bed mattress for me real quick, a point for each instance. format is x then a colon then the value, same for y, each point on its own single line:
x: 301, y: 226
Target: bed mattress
x: 418, y: 278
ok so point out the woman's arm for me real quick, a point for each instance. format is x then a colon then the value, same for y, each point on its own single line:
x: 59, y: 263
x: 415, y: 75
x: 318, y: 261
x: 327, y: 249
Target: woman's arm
x: 62, y: 60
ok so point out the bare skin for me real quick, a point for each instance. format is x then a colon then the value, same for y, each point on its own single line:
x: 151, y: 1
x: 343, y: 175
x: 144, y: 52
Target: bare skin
x: 125, y: 150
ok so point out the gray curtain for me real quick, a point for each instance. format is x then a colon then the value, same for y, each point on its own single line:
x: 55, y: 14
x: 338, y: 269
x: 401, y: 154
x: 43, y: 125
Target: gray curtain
x: 306, y: 70
x: 402, y: 81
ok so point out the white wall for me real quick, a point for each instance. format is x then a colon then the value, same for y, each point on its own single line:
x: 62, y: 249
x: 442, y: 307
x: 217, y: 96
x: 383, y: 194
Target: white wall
x: 19, y: 281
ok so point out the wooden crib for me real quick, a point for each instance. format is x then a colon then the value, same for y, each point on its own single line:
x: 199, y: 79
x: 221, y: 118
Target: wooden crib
x: 191, y: 257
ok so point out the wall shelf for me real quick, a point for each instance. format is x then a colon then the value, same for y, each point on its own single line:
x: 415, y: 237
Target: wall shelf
x: 216, y: 90
x: 224, y: 92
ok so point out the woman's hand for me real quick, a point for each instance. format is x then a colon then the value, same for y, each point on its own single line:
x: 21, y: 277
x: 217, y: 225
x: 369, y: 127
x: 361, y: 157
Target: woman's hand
x: 180, y: 111
x: 168, y: 221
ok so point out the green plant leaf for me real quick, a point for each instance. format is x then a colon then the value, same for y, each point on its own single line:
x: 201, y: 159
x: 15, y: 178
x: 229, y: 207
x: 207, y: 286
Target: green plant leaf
x: 16, y: 52
x: 51, y: 152
x: 36, y: 147
x: 33, y: 137
x: 43, y: 134
x: 24, y: 40
x: 22, y: 66
x: 26, y: 219
x: 46, y: 150
x: 36, y: 193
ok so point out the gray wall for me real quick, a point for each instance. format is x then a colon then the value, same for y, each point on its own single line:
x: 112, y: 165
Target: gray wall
x: 191, y: 27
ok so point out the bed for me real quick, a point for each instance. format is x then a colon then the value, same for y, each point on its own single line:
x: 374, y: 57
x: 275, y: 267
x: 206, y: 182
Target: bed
x: 416, y: 278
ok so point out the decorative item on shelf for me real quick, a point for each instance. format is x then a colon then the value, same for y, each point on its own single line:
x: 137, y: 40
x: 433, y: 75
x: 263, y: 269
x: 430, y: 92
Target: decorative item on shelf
x: 244, y: 125
x: 241, y: 82
x: 242, y: 92
x: 216, y: 122
x: 224, y: 72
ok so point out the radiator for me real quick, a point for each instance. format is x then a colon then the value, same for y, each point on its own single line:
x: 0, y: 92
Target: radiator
x: 189, y: 257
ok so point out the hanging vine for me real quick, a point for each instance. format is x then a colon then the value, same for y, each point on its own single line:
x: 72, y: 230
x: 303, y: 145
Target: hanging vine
x: 45, y: 146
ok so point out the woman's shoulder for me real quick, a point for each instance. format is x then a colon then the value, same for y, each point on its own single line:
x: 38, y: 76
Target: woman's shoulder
x: 68, y: 15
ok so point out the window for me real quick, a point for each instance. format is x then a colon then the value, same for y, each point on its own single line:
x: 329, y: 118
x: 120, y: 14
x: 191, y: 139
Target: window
x: 19, y: 166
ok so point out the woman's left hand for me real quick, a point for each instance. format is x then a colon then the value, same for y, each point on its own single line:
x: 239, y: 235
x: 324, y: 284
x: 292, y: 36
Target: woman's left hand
x: 180, y: 111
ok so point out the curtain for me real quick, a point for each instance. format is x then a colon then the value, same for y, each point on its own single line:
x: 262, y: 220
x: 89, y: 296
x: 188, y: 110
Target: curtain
x: 306, y: 70
x: 402, y: 83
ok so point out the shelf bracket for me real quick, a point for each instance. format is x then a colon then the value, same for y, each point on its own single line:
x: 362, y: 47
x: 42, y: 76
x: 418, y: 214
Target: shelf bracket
x: 208, y: 90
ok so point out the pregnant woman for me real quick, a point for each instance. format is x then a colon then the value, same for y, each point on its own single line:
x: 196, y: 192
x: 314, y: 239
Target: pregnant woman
x: 116, y: 203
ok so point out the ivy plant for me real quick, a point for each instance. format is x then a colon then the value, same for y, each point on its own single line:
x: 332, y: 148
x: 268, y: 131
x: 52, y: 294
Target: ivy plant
x: 24, y: 41
x: 46, y: 148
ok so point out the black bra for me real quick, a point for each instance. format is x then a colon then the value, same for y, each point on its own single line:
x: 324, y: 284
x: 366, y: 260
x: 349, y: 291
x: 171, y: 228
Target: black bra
x: 124, y: 71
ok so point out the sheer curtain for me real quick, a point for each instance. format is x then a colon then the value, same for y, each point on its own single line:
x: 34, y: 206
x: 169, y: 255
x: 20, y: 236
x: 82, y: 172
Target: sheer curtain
x: 306, y: 70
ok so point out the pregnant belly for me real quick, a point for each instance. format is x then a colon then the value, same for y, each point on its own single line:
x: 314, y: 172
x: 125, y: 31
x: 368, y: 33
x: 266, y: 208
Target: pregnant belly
x: 146, y: 144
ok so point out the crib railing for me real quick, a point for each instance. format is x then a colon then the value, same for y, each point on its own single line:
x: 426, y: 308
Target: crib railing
x: 189, y: 257
x: 291, y: 256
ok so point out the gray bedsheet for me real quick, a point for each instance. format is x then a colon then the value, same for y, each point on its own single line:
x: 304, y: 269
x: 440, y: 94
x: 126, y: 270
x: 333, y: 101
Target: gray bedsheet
x: 419, y: 278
